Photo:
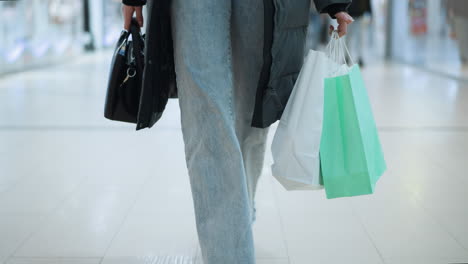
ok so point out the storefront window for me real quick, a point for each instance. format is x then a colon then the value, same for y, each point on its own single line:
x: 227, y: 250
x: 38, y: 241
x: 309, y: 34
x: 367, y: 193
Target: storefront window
x: 38, y: 31
x: 425, y: 34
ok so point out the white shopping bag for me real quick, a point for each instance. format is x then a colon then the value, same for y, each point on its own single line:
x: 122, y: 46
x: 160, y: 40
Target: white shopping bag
x: 296, y: 142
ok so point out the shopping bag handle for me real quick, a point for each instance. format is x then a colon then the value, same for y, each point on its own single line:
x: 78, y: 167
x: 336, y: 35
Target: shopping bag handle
x: 336, y: 47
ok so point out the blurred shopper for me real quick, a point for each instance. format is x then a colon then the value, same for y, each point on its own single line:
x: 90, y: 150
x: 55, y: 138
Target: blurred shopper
x: 315, y: 23
x: 222, y: 53
x: 458, y: 12
x: 318, y: 24
x: 358, y: 30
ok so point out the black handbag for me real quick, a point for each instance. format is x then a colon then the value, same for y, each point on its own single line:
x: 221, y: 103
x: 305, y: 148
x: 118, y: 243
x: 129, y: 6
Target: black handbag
x: 125, y: 78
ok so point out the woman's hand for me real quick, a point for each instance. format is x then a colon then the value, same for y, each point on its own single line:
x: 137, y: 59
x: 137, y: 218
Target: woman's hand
x: 343, y: 19
x: 128, y: 11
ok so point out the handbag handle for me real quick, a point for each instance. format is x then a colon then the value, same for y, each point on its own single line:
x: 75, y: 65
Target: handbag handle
x: 135, y: 31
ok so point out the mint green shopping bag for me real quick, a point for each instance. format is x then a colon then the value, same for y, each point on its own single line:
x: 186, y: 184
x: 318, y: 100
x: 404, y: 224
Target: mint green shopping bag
x: 350, y: 152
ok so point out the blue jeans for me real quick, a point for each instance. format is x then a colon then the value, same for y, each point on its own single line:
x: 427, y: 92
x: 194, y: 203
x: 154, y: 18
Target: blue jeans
x: 218, y: 58
x: 460, y: 26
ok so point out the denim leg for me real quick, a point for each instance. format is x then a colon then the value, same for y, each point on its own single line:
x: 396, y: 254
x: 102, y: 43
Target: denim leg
x: 354, y: 38
x: 203, y: 61
x: 461, y: 28
x: 247, y: 48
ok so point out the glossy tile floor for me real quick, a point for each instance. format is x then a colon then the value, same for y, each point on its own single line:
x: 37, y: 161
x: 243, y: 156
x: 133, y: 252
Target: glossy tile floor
x: 77, y: 188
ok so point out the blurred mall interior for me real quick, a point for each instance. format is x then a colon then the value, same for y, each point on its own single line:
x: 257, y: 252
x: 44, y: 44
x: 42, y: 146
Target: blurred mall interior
x: 78, y: 188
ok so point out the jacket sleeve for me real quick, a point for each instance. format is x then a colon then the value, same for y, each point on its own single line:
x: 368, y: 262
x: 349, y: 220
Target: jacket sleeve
x: 134, y: 2
x: 332, y: 7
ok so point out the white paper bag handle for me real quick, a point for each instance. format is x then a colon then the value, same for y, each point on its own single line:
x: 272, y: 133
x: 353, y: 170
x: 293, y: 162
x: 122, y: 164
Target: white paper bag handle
x: 336, y: 48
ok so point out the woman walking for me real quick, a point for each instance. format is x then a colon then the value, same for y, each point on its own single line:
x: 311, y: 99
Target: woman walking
x: 359, y: 29
x: 458, y: 11
x: 235, y: 63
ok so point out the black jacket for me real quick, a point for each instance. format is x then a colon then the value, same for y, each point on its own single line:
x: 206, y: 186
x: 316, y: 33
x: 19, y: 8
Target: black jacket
x: 359, y: 7
x: 285, y: 32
